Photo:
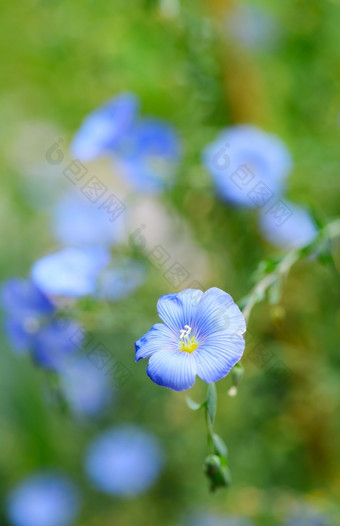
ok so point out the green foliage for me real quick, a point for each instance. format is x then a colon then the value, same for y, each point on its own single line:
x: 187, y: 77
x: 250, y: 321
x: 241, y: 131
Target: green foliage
x: 62, y: 58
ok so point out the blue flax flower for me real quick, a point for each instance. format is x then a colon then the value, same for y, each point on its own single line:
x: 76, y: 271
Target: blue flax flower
x: 201, y: 335
x: 124, y: 461
x: 24, y: 306
x: 43, y: 499
x: 248, y: 166
x: 71, y: 272
x: 31, y: 324
x: 146, y: 149
x: 289, y: 226
x: 150, y: 154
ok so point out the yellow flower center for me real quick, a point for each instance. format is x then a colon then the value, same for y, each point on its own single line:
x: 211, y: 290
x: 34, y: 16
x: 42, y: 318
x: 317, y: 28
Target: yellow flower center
x: 187, y: 342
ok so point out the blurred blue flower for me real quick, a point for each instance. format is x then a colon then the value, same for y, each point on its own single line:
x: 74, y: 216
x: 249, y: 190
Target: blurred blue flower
x: 77, y: 221
x: 150, y: 155
x: 124, y: 461
x: 252, y: 26
x: 209, y: 519
x: 44, y: 499
x: 119, y: 281
x: 248, y: 165
x: 289, y: 226
x: 87, y: 389
x: 147, y: 150
x: 104, y: 128
x: 24, y: 306
x: 71, y: 272
x: 31, y: 324
x: 201, y: 335
x: 22, y: 298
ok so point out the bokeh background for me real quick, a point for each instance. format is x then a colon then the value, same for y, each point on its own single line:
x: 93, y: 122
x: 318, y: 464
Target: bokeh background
x: 201, y: 66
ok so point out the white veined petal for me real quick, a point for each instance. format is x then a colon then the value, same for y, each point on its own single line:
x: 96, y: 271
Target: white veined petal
x: 158, y: 338
x: 173, y: 369
x: 216, y: 312
x: 177, y: 310
x: 218, y: 355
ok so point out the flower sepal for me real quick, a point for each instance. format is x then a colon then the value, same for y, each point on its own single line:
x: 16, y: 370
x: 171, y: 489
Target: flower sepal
x: 195, y: 406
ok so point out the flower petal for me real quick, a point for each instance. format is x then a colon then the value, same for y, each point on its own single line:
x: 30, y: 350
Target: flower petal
x: 217, y: 312
x: 158, y: 338
x: 177, y: 310
x: 218, y: 355
x: 173, y: 369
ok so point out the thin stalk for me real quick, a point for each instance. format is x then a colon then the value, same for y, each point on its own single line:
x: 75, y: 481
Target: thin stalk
x: 283, y: 267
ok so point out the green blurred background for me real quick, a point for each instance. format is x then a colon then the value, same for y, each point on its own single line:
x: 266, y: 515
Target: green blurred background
x: 61, y: 59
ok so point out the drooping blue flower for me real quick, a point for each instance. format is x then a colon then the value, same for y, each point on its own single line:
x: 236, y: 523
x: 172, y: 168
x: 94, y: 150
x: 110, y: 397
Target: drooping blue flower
x: 287, y: 226
x: 78, y: 222
x: 43, y: 499
x: 71, y: 272
x: 201, y: 335
x: 104, y: 128
x: 31, y: 324
x: 248, y: 165
x: 150, y: 155
x: 120, y: 280
x: 86, y: 388
x: 124, y: 461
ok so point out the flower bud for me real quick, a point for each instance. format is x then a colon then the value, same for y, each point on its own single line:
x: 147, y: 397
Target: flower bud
x: 217, y: 471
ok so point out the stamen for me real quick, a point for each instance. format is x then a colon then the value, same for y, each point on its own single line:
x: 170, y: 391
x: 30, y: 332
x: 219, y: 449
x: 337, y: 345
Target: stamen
x: 187, y: 343
x: 184, y: 333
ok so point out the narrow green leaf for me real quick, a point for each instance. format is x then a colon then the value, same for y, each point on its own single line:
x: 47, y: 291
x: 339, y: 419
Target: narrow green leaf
x: 219, y: 445
x: 211, y: 402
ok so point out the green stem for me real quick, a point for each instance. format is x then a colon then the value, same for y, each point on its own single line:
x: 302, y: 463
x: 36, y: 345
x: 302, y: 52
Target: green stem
x: 210, y: 430
x: 216, y: 463
x: 283, y: 267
